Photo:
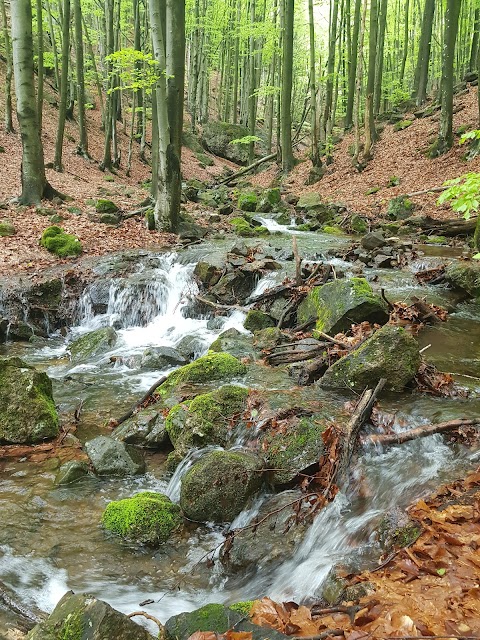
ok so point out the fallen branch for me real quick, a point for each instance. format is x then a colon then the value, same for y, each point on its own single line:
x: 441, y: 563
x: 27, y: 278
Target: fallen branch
x: 420, y: 432
x: 245, y: 170
x: 425, y: 191
x: 223, y: 307
x: 137, y: 405
x: 161, y: 628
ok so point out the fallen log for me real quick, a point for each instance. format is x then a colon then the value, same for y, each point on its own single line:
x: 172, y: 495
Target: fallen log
x: 452, y: 227
x: 293, y: 355
x: 420, y: 432
x: 245, y: 170
x: 312, y: 370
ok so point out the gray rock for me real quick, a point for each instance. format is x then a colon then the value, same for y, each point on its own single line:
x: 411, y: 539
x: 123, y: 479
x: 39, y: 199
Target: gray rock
x: 234, y: 342
x: 217, y: 138
x: 161, y: 357
x: 111, y: 457
x: 145, y: 429
x: 373, y: 240
x: 93, y: 344
x: 71, y: 472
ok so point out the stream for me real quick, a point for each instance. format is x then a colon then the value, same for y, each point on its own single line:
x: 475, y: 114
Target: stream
x: 50, y: 537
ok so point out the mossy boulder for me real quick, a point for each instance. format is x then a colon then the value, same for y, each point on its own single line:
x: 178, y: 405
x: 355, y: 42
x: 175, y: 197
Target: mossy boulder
x: 247, y: 202
x: 27, y: 409
x: 270, y: 337
x: 269, y: 200
x: 218, y: 136
x: 83, y: 617
x: 207, y: 273
x: 400, y: 208
x: 464, y: 276
x: 257, y: 320
x: 358, y: 224
x: 111, y: 457
x: 403, y: 124
x: 339, y: 304
x: 62, y: 244
x: 234, y: 342
x: 207, y: 419
x: 213, y: 367
x: 218, y: 486
x: 246, y: 230
x: 391, y: 353
x: 146, y: 518
x: 294, y: 449
x: 105, y: 206
x: 145, y: 429
x: 93, y: 344
x: 310, y: 200
x: 6, y: 228
x: 234, y: 287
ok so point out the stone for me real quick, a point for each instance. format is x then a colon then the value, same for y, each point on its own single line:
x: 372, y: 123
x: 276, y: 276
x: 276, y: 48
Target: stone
x: 83, y: 617
x: 266, y: 339
x: 235, y: 287
x: 146, y: 518
x: 105, y: 206
x: 358, y: 224
x: 209, y: 418
x: 309, y: 200
x: 272, y: 542
x: 161, y: 357
x: 257, y: 320
x: 71, y: 472
x: 247, y: 202
x: 245, y: 229
x: 190, y: 347
x: 339, y: 304
x: 27, y: 410
x: 217, y: 138
x: 145, y: 429
x: 111, y: 457
x: 217, y: 487
x: 93, y: 344
x: 225, y: 209
x: 391, y: 353
x: 235, y: 343
x: 400, y: 208
x: 6, y: 229
x: 191, y: 231
x: 207, y: 273
x: 373, y: 240
x: 465, y: 276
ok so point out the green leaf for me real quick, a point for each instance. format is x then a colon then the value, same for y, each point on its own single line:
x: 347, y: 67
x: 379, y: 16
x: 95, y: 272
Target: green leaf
x: 441, y: 572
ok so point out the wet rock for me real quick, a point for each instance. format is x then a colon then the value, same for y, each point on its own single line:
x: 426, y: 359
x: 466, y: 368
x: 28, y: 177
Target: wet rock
x: 71, y: 472
x: 247, y: 202
x: 257, y: 320
x: 146, y: 518
x: 235, y: 287
x: 161, y: 357
x: 27, y: 409
x: 225, y: 209
x: 189, y: 347
x: 207, y: 273
x: 145, y: 429
x: 99, y: 295
x: 390, y: 353
x: 191, y: 231
x: 266, y: 339
x: 220, y: 619
x: 272, y: 542
x: 246, y: 229
x: 217, y: 138
x: 218, y: 486
x: 111, y: 457
x: 339, y: 304
x: 373, y: 240
x: 93, y: 344
x: 235, y: 343
x: 84, y: 617
x: 396, y: 530
x: 207, y: 419
x: 465, y: 276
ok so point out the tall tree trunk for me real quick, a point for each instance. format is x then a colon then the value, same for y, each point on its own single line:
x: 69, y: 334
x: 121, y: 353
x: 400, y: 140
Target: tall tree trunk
x: 382, y: 24
x: 352, y: 65
x: 445, y: 136
x: 54, y: 43
x: 287, y: 84
x: 475, y: 40
x: 315, y: 149
x: 332, y: 41
x: 82, y: 147
x: 424, y: 51
x: 64, y: 81
x: 40, y: 65
x: 406, y: 43
x: 252, y: 77
x: 370, y: 133
x: 110, y: 120
x: 8, y: 71
x: 34, y: 182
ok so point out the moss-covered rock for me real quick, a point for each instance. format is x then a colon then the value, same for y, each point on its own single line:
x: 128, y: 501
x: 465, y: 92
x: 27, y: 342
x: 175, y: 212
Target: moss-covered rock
x: 245, y: 230
x: 294, y: 448
x: 257, y: 320
x: 218, y: 486
x: 400, y: 208
x: 358, y: 224
x: 27, y: 409
x: 105, y: 206
x: 111, y: 457
x: 83, y: 617
x: 403, y: 124
x: 268, y: 338
x: 71, y: 472
x: 247, y: 201
x: 207, y: 419
x: 62, y: 244
x: 6, y: 228
x: 234, y: 342
x: 464, y: 276
x: 309, y: 200
x: 145, y: 429
x: 146, y: 518
x: 93, y: 344
x: 207, y: 273
x: 390, y: 353
x: 218, y: 136
x: 341, y: 303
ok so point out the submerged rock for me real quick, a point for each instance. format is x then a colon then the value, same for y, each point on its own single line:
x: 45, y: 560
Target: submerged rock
x: 341, y: 303
x: 71, y: 472
x: 146, y: 518
x: 93, y: 343
x: 111, y: 457
x: 161, y: 358
x: 145, y: 429
x: 218, y: 486
x: 390, y: 353
x: 83, y: 617
x: 27, y: 410
x: 207, y: 419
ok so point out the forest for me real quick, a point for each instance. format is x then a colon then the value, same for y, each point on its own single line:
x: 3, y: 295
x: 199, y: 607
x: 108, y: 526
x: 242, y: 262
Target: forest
x: 239, y: 319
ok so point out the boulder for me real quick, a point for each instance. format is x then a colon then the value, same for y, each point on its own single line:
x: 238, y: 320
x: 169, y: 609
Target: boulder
x: 71, y: 472
x: 62, y: 244
x: 266, y: 339
x: 146, y: 518
x: 465, y: 276
x: 27, y: 409
x: 274, y: 541
x: 145, y: 429
x: 234, y: 287
x: 111, y: 457
x: 105, y: 206
x: 161, y: 358
x: 207, y: 273
x: 234, y: 342
x: 247, y: 202
x: 83, y: 617
x: 309, y: 200
x: 6, y: 228
x: 93, y: 344
x: 257, y: 320
x: 339, y: 304
x: 373, y: 240
x: 218, y: 486
x: 207, y: 419
x: 190, y: 346
x: 217, y: 138
x: 390, y: 353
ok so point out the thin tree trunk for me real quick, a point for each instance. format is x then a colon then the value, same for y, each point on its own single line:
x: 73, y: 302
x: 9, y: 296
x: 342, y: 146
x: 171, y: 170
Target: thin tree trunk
x: 8, y: 71
x: 40, y: 65
x: 352, y: 71
x: 424, y: 52
x: 287, y: 84
x: 315, y: 149
x: 382, y: 24
x: 82, y: 147
x: 370, y: 134
x: 62, y: 111
x: 405, y: 41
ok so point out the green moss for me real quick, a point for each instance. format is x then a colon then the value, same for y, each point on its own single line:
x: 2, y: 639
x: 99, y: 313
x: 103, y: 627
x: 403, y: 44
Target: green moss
x: 150, y: 219
x: 400, y: 208
x: 331, y: 230
x: 257, y: 320
x: 72, y: 628
x: 358, y: 224
x: 372, y: 191
x: 6, y: 229
x: 62, y: 244
x: 105, y: 206
x: 434, y: 239
x: 247, y: 202
x: 403, y: 124
x: 243, y: 607
x: 148, y: 518
x: 273, y: 196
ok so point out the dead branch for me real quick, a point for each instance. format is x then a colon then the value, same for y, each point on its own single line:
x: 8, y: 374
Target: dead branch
x: 425, y: 191
x: 298, y: 263
x: 223, y: 307
x: 245, y: 170
x: 420, y: 432
x: 137, y: 405
x: 161, y: 628
x: 312, y: 371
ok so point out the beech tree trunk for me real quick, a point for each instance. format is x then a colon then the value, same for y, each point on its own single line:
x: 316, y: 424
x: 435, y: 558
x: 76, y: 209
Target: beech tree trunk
x: 8, y: 71
x: 287, y: 84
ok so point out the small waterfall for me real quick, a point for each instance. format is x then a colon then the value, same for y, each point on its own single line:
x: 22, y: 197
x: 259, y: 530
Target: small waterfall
x: 175, y: 484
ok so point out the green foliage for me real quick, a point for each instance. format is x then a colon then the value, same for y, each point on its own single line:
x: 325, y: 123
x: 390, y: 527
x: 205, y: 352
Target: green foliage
x: 245, y: 140
x: 463, y: 194
x: 62, y: 244
x: 137, y: 70
x: 469, y: 136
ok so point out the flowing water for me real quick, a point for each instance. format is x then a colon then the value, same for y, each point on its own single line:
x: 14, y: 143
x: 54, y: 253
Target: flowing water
x: 50, y: 537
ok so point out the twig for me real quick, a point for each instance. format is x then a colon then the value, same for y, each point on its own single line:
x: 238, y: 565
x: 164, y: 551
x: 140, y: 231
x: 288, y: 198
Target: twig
x: 223, y: 307
x: 131, y: 411
x: 392, y: 555
x: 161, y: 628
x: 424, y: 192
x: 421, y: 432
